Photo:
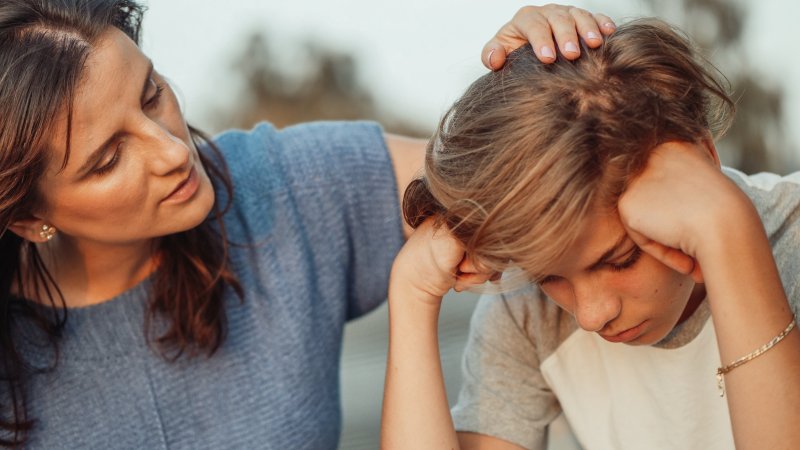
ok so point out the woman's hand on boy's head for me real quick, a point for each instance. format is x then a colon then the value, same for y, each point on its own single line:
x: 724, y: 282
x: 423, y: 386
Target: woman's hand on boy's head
x: 539, y: 24
x: 675, y: 205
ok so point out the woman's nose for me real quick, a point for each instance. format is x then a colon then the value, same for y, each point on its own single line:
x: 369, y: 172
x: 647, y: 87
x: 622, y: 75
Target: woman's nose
x: 595, y: 307
x: 169, y: 152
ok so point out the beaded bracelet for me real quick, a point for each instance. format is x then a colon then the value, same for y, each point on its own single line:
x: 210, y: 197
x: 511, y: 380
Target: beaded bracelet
x: 723, y: 370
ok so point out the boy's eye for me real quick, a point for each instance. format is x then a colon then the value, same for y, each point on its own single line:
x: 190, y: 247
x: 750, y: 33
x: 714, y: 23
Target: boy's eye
x: 548, y: 279
x: 628, y: 262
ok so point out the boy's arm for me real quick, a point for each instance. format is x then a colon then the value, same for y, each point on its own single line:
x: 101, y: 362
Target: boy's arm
x: 685, y: 212
x: 504, y: 394
x: 415, y: 410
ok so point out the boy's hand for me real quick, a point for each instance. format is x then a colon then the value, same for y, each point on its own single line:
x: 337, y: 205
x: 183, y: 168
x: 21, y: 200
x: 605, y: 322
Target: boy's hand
x: 432, y: 262
x: 672, y: 209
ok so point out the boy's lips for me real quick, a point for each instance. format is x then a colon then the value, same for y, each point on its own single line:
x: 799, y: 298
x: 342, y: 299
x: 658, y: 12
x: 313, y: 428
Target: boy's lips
x: 625, y: 335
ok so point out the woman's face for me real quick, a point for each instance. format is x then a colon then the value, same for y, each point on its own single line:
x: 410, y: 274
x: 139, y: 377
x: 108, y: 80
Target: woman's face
x: 133, y: 172
x: 613, y: 288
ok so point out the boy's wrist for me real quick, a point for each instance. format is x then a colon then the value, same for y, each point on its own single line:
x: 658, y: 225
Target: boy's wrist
x: 402, y: 287
x: 729, y: 230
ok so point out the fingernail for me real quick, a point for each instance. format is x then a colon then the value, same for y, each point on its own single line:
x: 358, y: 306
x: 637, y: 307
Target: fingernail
x: 547, y: 52
x: 609, y: 25
x: 491, y: 52
x: 571, y: 47
x: 592, y: 35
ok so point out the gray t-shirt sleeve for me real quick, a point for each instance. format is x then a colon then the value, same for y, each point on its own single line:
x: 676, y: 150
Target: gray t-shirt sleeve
x: 504, y: 395
x: 777, y: 200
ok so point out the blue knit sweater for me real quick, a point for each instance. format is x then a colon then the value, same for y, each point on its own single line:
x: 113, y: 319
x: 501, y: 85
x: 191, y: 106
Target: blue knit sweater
x: 317, y: 206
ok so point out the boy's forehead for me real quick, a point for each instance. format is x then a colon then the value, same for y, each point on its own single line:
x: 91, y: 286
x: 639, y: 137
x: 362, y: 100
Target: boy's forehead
x: 600, y: 233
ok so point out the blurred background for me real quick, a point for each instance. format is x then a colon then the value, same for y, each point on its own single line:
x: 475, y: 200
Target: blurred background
x: 403, y: 64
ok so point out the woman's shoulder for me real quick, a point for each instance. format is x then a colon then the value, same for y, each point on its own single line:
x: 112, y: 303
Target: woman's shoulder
x: 303, y: 156
x: 301, y: 139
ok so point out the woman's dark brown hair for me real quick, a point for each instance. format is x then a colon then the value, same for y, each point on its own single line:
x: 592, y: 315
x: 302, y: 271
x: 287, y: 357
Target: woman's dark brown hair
x: 523, y: 156
x: 43, y: 48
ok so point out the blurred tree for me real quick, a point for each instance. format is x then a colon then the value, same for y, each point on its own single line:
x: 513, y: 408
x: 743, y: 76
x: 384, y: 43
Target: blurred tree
x: 757, y: 141
x: 321, y: 84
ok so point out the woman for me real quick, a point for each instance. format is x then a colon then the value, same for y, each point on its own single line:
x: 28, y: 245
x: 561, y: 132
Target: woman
x: 598, y: 180
x: 161, y: 290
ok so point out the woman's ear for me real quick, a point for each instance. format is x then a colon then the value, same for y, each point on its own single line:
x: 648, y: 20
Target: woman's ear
x: 33, y: 229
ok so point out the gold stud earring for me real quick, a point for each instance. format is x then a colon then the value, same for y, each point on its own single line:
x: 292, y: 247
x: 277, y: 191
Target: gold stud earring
x: 47, y: 232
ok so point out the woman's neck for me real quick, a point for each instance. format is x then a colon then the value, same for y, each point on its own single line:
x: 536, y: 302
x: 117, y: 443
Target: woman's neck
x: 89, y: 273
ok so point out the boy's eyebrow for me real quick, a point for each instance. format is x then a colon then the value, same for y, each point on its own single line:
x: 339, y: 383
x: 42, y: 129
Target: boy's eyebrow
x: 610, y: 252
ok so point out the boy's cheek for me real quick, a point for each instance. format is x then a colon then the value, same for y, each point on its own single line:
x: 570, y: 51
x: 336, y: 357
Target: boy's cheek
x: 561, y: 293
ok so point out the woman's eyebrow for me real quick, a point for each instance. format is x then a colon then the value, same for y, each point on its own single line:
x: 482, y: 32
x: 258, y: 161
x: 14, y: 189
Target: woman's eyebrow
x: 610, y: 252
x: 97, y: 154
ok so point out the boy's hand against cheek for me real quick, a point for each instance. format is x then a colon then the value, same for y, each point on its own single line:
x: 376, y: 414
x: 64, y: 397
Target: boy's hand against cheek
x: 426, y: 265
x: 431, y: 263
x: 672, y: 209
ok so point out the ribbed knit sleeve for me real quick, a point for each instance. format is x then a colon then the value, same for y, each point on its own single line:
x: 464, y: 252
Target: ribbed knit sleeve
x: 337, y: 180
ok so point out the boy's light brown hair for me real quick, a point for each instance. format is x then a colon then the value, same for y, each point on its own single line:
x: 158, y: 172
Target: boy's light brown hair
x: 518, y: 162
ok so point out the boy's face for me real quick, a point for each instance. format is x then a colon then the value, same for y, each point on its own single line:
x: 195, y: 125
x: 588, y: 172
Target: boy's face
x: 613, y: 288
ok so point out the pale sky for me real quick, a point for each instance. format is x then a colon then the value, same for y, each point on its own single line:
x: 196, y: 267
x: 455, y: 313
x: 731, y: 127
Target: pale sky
x: 416, y: 56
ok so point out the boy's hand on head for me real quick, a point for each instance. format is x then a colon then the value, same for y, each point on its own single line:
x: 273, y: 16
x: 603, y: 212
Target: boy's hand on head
x: 432, y: 262
x: 539, y: 25
x: 675, y: 205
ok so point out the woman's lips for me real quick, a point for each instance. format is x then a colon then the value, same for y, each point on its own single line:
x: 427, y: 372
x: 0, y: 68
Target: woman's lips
x: 627, y: 335
x: 185, y: 189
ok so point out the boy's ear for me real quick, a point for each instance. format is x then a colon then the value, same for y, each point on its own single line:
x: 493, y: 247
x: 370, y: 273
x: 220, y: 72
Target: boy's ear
x: 32, y: 229
x: 711, y: 150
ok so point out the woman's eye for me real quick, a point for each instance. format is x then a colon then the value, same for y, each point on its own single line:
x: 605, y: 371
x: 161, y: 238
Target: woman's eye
x: 636, y: 253
x: 154, y: 99
x: 107, y: 166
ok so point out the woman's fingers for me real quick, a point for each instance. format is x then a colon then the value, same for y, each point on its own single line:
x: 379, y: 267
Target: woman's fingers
x: 493, y: 54
x: 565, y: 30
x: 548, y: 29
x: 587, y: 27
x: 607, y: 26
